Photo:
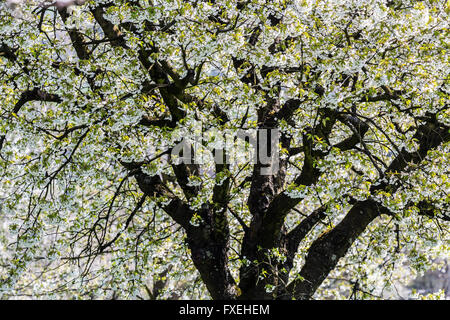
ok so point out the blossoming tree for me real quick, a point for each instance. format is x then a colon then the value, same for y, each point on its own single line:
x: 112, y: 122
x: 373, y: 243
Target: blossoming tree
x: 97, y: 94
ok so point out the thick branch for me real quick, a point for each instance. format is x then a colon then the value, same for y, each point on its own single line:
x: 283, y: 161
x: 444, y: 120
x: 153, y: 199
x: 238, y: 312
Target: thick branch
x: 208, y: 241
x: 326, y: 251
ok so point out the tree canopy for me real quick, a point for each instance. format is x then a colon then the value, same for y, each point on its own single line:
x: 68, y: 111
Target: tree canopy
x: 97, y: 95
